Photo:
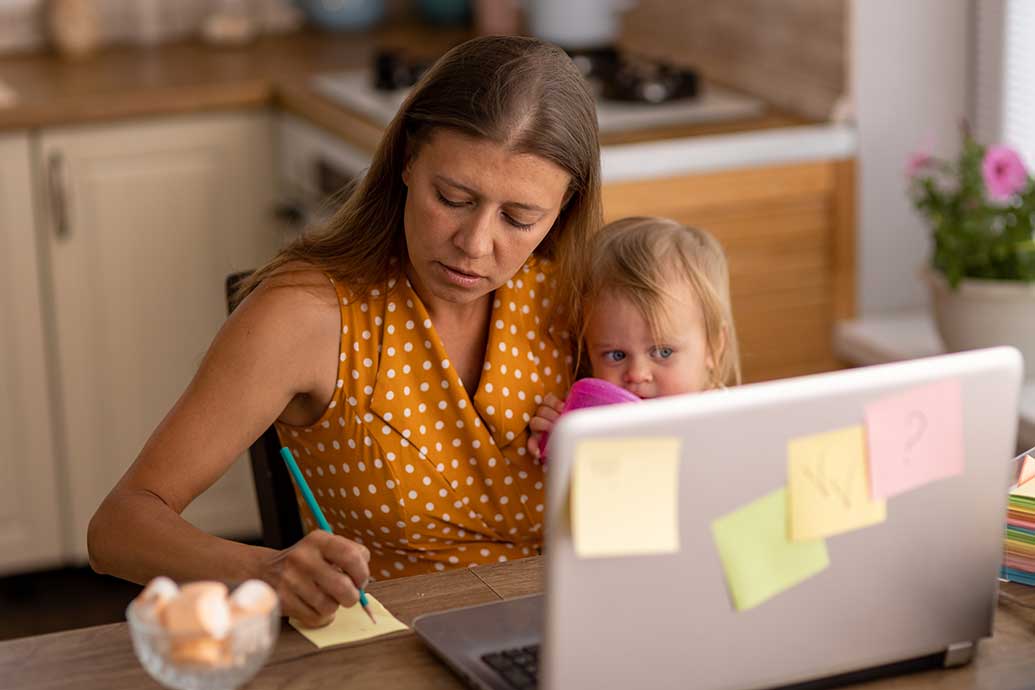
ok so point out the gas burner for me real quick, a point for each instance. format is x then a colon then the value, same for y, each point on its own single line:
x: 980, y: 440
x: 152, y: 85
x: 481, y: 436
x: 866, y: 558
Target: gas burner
x: 395, y: 70
x: 618, y: 77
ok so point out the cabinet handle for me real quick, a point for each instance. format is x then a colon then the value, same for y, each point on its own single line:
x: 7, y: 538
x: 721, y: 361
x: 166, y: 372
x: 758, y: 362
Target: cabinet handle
x: 58, y: 197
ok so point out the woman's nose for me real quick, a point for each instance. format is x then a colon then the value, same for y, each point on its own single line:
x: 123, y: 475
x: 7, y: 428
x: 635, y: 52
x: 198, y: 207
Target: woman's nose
x: 474, y: 237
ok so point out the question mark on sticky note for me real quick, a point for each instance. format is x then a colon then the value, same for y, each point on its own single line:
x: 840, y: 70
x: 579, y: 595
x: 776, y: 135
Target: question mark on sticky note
x: 916, y: 425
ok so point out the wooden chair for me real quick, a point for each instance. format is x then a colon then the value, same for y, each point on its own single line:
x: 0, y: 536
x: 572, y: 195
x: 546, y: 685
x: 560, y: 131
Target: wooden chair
x: 278, y: 509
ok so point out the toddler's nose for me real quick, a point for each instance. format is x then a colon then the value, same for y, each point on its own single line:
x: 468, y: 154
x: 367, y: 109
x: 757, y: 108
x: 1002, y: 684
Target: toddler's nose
x: 638, y: 372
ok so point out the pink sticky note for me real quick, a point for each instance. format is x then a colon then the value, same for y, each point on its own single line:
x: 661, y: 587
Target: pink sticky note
x: 915, y: 437
x: 1027, y: 470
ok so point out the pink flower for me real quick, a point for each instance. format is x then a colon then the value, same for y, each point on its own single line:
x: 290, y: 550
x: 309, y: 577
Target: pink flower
x: 918, y: 160
x: 1004, y: 172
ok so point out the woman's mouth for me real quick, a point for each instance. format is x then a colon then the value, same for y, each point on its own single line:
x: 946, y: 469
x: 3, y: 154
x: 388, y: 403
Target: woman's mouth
x: 459, y: 277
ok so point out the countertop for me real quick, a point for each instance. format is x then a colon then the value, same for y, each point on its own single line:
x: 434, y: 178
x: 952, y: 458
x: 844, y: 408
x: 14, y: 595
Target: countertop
x: 132, y: 82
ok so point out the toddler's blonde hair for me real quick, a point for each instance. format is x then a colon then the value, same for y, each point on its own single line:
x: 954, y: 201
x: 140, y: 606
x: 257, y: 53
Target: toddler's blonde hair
x: 638, y: 257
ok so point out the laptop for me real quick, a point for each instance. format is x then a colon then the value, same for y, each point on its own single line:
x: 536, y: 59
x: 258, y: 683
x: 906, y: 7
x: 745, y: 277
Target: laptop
x: 917, y: 589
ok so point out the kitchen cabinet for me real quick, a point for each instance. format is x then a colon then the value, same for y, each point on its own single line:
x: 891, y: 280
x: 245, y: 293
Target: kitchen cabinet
x: 142, y: 223
x: 788, y: 231
x: 31, y: 507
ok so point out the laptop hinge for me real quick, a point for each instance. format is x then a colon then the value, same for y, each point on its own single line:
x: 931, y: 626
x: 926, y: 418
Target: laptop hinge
x: 959, y: 653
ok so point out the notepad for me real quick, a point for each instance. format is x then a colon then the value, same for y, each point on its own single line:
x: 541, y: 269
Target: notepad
x: 828, y: 485
x: 351, y: 625
x: 915, y: 437
x: 625, y: 496
x: 757, y: 557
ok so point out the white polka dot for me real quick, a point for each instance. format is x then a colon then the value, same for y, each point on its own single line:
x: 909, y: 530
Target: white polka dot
x: 409, y: 468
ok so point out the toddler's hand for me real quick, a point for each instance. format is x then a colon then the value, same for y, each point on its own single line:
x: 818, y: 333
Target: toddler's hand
x: 543, y: 421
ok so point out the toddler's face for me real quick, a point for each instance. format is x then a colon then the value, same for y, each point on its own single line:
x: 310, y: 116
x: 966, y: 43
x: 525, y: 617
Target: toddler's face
x: 623, y: 351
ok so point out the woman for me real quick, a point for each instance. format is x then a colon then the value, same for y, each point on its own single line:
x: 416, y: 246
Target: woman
x: 400, y: 353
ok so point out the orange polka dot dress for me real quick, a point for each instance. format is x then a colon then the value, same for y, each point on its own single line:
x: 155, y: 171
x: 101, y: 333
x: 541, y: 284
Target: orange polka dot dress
x: 404, y: 461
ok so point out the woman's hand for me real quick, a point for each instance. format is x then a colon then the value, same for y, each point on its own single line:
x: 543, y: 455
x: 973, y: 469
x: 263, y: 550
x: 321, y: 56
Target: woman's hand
x: 317, y: 574
x: 542, y: 423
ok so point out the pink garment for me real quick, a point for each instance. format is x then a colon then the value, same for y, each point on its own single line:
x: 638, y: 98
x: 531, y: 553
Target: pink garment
x: 589, y: 393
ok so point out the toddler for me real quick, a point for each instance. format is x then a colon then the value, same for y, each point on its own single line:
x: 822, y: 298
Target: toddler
x: 656, y: 317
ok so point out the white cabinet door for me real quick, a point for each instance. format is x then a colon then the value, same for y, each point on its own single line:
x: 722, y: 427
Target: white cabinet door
x: 145, y: 221
x: 31, y: 507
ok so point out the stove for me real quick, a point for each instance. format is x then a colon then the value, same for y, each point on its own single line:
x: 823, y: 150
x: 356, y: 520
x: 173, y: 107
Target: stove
x: 631, y: 94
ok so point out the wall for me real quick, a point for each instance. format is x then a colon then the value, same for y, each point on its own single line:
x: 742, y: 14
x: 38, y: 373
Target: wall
x: 791, y: 52
x: 910, y: 70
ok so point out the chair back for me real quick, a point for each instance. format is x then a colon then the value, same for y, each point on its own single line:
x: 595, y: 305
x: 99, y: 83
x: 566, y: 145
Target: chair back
x: 278, y: 508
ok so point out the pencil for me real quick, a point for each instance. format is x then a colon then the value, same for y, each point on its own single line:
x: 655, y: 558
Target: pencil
x: 314, y: 508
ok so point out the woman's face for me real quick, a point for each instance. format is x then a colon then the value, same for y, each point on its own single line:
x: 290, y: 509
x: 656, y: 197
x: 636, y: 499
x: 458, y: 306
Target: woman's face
x: 474, y: 213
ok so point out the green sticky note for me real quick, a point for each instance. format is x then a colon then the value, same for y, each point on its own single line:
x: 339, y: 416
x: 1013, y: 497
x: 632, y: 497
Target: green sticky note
x: 758, y: 558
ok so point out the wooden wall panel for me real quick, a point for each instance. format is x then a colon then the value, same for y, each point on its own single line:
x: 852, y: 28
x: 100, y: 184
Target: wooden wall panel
x: 788, y: 232
x: 790, y: 52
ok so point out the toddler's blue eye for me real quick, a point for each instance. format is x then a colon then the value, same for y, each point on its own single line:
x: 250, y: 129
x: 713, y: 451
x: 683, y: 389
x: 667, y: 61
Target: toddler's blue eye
x: 663, y: 352
x: 614, y: 356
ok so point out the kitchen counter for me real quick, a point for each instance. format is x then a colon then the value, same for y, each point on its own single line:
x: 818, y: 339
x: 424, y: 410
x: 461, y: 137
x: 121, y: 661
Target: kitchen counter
x: 128, y: 82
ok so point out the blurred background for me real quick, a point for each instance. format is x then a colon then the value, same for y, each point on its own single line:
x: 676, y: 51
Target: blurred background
x: 149, y: 148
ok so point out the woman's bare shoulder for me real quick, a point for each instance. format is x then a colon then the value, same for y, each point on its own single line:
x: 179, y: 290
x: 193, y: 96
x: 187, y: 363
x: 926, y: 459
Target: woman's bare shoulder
x: 295, y: 310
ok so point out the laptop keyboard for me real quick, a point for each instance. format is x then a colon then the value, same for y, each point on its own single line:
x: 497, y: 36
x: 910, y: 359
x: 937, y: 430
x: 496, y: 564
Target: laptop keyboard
x: 519, y: 667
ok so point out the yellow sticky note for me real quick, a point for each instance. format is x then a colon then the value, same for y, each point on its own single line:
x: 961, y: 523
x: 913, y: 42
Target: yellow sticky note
x: 625, y: 496
x: 757, y: 557
x: 828, y: 486
x: 351, y: 624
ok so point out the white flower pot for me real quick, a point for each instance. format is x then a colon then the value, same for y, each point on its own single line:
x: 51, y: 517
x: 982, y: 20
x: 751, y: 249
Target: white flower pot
x: 985, y: 313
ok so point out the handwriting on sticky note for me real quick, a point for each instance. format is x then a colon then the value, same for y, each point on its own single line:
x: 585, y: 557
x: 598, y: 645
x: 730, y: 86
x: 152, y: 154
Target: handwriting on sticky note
x: 828, y: 485
x: 915, y: 437
x: 624, y: 497
x: 351, y: 625
x: 758, y: 558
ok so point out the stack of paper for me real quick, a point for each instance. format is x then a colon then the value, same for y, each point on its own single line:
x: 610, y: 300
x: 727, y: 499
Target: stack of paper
x: 1019, y: 552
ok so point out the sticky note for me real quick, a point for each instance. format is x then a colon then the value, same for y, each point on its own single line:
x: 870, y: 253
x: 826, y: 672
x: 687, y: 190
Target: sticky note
x: 625, y: 496
x: 758, y: 558
x: 915, y: 437
x: 828, y: 485
x: 1027, y: 489
x: 1027, y: 470
x: 351, y: 625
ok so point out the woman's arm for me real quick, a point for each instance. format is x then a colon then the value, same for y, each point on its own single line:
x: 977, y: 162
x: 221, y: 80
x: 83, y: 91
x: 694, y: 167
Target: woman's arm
x: 276, y: 355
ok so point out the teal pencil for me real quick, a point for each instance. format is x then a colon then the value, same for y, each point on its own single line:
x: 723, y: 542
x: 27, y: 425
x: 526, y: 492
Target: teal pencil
x: 310, y: 500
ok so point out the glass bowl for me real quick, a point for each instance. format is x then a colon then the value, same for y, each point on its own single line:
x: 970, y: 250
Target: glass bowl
x: 200, y: 662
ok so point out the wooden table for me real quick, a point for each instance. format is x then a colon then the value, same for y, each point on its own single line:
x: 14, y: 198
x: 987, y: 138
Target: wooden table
x: 102, y: 656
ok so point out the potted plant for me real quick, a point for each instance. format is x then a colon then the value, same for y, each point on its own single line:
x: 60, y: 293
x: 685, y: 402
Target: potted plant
x: 981, y: 210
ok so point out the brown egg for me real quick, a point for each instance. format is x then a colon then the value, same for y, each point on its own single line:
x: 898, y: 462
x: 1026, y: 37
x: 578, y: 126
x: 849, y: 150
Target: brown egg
x: 198, y: 611
x: 253, y: 597
x: 201, y: 650
x: 150, y: 602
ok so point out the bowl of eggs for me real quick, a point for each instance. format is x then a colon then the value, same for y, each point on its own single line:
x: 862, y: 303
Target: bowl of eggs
x: 202, y: 636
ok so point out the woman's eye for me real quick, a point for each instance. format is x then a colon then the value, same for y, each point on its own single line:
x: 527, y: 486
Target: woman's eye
x: 517, y: 224
x: 449, y: 202
x: 614, y: 356
x: 663, y: 352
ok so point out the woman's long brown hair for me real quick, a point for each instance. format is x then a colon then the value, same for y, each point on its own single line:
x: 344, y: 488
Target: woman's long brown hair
x: 521, y: 93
